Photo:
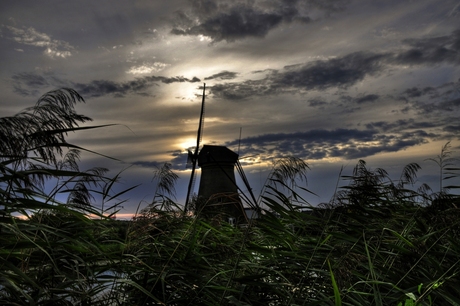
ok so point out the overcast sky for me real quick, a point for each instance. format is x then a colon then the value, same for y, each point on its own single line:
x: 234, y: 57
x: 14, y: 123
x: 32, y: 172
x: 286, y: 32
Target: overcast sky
x: 329, y: 81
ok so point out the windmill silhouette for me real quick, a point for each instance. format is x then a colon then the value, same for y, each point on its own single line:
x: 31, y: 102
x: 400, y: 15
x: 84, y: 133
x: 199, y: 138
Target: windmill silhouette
x: 218, y: 191
x: 193, y: 156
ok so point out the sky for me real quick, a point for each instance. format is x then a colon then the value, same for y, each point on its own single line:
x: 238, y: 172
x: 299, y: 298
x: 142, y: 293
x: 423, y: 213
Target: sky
x: 331, y: 81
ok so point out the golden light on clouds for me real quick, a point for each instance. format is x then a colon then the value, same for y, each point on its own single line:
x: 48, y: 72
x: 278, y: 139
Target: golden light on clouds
x: 186, y: 143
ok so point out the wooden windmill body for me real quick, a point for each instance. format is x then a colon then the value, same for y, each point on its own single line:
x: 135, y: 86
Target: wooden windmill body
x: 218, y: 193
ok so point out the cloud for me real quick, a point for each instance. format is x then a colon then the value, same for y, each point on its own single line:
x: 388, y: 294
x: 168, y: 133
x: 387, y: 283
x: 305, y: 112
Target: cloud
x: 317, y: 102
x: 343, y: 72
x: 452, y: 105
x: 434, y: 106
x: 178, y: 161
x: 242, y: 90
x: 320, y: 143
x: 223, y: 75
x: 339, y: 72
x: 235, y: 24
x: 418, y: 92
x: 147, y: 68
x: 453, y: 128
x: 317, y: 75
x: 179, y: 79
x: 402, y: 124
x: 312, y: 136
x: 32, y: 80
x: 29, y: 36
x: 235, y: 20
x: 367, y: 98
x: 336, y: 72
x: 98, y: 88
x: 431, y: 50
x: 29, y: 83
x: 317, y: 144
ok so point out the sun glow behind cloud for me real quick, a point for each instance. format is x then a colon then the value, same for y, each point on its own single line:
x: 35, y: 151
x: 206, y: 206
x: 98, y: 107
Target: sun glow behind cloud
x: 187, y: 143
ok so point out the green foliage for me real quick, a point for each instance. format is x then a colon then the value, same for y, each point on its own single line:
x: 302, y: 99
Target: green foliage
x: 377, y: 242
x: 445, y: 161
x: 51, y: 253
x: 165, y: 189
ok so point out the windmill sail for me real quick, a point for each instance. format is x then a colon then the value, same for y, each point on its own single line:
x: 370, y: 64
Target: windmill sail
x: 193, y: 156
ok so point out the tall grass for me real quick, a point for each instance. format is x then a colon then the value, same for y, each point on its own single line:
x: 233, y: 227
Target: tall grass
x: 50, y: 251
x: 377, y: 242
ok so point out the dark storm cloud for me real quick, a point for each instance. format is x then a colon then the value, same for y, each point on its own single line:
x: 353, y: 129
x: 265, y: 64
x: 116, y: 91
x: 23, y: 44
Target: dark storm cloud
x: 33, y: 84
x: 223, y: 75
x: 429, y: 99
x: 242, y: 90
x: 343, y: 72
x: 367, y: 98
x: 399, y: 125
x: 317, y: 102
x: 320, y: 143
x: 337, y: 72
x: 28, y: 83
x: 431, y: 50
x: 319, y: 75
x: 313, y: 136
x: 415, y: 92
x: 235, y: 24
x: 355, y: 152
x: 230, y: 21
x: 180, y: 79
x: 453, y: 128
x: 178, y: 161
x: 429, y: 108
x: 450, y: 105
x: 32, y: 80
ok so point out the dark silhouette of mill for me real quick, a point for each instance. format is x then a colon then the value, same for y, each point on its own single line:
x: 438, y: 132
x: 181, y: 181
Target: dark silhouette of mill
x: 218, y: 192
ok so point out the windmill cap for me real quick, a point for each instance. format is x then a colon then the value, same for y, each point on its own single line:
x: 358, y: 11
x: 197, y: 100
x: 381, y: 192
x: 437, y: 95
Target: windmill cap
x: 216, y: 154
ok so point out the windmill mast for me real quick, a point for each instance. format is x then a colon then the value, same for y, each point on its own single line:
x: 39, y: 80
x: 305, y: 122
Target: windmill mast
x: 194, y: 156
x: 200, y: 126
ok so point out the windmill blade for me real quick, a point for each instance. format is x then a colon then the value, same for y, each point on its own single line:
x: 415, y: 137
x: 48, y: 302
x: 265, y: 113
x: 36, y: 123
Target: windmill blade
x: 189, y: 159
x: 190, y: 187
x: 201, y: 124
x: 194, y: 157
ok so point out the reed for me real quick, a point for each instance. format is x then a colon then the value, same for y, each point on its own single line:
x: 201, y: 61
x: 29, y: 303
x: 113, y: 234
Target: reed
x: 377, y: 242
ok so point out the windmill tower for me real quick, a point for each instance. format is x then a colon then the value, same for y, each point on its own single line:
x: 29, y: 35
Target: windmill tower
x: 218, y: 192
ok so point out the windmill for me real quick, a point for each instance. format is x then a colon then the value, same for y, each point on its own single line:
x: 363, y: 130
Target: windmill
x: 193, y: 156
x: 218, y: 192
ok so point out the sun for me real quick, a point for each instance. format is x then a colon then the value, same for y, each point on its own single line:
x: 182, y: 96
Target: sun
x: 186, y: 143
x: 186, y: 92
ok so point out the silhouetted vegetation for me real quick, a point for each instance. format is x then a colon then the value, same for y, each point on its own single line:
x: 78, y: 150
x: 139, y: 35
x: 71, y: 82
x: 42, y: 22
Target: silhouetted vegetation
x: 377, y: 242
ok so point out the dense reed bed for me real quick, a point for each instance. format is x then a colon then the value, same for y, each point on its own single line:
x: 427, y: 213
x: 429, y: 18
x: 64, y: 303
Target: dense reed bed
x: 377, y: 242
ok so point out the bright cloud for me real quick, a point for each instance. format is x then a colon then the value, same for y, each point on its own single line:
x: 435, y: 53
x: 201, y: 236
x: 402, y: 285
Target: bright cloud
x: 29, y: 36
x: 146, y: 68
